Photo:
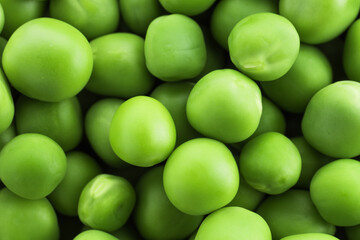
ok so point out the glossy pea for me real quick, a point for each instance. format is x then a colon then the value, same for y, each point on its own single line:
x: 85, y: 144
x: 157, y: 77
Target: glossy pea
x: 351, y: 52
x: 186, y: 7
x: 310, y: 236
x: 95, y: 235
x: 174, y: 48
x: 61, y: 121
x: 264, y: 46
x: 7, y: 109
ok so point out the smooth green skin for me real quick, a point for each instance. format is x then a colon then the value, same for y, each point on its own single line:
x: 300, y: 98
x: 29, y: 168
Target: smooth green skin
x: 3, y: 43
x: 293, y: 213
x: 48, y: 60
x: 186, y: 7
x: 2, y: 18
x: 311, y: 161
x: 7, y: 135
x: 142, y: 132
x: 335, y: 192
x: 334, y: 107
x: 310, y: 236
x: 319, y: 21
x: 310, y: 73
x: 32, y: 165
x: 153, y: 206
x: 201, y: 176
x: 106, y: 202
x: 126, y: 232
x: 95, y: 235
x: 174, y: 48
x: 272, y: 120
x: 229, y: 12
x: 23, y: 219
x: 137, y: 14
x: 233, y: 223
x: 247, y: 197
x: 225, y: 105
x: 81, y: 168
x: 264, y: 46
x: 18, y: 12
x: 61, y: 121
x: 119, y: 66
x: 93, y: 18
x: 97, y: 129
x: 6, y: 104
x: 174, y: 97
x: 270, y: 163
x: 353, y: 233
x: 351, y: 52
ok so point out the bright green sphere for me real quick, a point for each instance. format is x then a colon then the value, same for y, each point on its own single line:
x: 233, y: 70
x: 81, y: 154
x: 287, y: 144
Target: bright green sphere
x: 186, y: 7
x: 310, y: 236
x: 95, y: 235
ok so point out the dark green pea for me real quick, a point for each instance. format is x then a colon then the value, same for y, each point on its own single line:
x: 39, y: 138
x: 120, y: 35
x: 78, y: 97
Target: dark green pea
x: 351, y: 52
x: 3, y: 43
x: 6, y: 103
x: 7, y: 135
x: 353, y: 233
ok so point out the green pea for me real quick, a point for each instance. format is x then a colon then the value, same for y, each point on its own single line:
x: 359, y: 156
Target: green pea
x: 6, y: 104
x: 353, y: 233
x: 7, y: 135
x: 154, y: 206
x: 174, y: 97
x: 93, y: 18
x: 106, y: 202
x: 186, y: 7
x: 126, y: 232
x: 174, y: 48
x: 142, y: 132
x: 61, y: 121
x: 138, y: 14
x: 225, y: 105
x: 32, y: 165
x: 48, y: 60
x: 23, y: 219
x: 270, y: 163
x: 201, y: 176
x: 233, y: 223
x: 119, y: 66
x: 97, y: 128
x: 311, y: 161
x: 310, y: 73
x: 18, y: 12
x: 319, y: 21
x: 332, y: 120
x: 81, y: 168
x: 335, y: 192
x: 3, y: 43
x: 310, y: 236
x: 264, y: 46
x: 229, y: 12
x: 95, y: 235
x: 2, y: 18
x: 293, y: 213
x: 351, y: 52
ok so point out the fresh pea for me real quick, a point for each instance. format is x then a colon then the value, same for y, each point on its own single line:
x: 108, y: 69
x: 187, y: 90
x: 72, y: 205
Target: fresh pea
x: 310, y: 236
x: 201, y: 176
x: 6, y: 104
x: 32, y: 165
x: 7, y: 135
x: 186, y: 7
x: 3, y: 43
x: 95, y: 235
x: 264, y: 46
x: 2, y: 18
x: 47, y: 59
x: 351, y: 52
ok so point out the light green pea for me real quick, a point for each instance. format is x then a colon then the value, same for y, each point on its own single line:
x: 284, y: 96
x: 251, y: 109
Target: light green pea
x: 270, y: 163
x: 229, y: 12
x: 310, y: 236
x: 142, y: 132
x: 119, y: 66
x: 97, y: 128
x: 233, y: 223
x: 138, y: 14
x: 95, y: 235
x: 186, y: 7
x: 351, y: 52
x: 7, y: 135
x: 23, y: 219
x: 293, y: 213
x: 155, y: 215
x: 92, y: 17
x: 336, y: 108
x: 201, y: 176
x: 353, y: 233
x: 225, y: 105
x: 310, y: 73
x: 48, y: 60
x: 264, y: 46
x: 81, y: 168
x: 319, y: 21
x: 106, y: 202
x: 335, y: 191
x: 6, y: 104
x: 174, y: 97
x: 61, y: 121
x: 32, y: 165
x: 174, y: 48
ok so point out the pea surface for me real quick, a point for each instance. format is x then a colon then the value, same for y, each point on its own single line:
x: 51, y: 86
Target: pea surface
x: 95, y: 235
x: 310, y: 236
x: 351, y: 53
x: 6, y: 104
x: 187, y: 7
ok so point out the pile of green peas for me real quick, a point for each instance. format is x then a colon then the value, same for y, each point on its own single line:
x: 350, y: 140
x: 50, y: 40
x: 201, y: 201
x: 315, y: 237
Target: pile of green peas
x: 179, y: 120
